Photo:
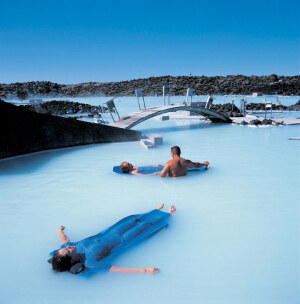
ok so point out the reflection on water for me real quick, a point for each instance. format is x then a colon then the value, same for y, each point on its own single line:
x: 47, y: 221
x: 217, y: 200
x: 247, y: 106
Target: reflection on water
x: 29, y: 163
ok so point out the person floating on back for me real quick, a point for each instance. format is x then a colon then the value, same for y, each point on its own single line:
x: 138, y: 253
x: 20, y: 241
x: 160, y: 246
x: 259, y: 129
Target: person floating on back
x: 178, y: 166
x: 127, y: 167
x: 96, y: 252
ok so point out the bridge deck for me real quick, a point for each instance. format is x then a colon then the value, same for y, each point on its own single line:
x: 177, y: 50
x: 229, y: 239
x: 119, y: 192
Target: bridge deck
x: 134, y: 118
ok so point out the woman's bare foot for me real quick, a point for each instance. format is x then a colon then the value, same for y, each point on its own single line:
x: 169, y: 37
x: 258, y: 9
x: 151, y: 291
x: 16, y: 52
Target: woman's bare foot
x: 172, y: 209
x: 160, y: 206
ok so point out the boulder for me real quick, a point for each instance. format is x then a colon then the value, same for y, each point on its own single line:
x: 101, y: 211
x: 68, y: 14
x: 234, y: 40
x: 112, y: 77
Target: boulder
x: 255, y: 122
x: 266, y: 121
x: 295, y: 107
x: 60, y: 107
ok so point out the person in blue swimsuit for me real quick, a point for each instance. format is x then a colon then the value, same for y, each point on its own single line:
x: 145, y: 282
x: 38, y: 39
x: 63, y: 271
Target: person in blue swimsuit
x: 97, y: 251
x: 127, y: 167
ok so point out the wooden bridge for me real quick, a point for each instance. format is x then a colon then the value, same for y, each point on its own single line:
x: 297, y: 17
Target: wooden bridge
x: 135, y: 118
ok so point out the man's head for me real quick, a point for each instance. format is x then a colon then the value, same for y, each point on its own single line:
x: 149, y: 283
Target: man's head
x: 65, y: 258
x: 175, y: 151
x: 126, y: 167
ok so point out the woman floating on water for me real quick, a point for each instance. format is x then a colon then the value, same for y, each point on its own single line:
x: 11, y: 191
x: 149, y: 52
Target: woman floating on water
x: 97, y: 251
x: 127, y: 167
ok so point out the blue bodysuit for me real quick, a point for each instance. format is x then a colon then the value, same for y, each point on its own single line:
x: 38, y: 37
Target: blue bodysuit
x: 149, y: 169
x: 98, y: 250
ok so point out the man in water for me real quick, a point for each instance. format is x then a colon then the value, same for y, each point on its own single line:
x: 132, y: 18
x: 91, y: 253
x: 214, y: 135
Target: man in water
x: 178, y: 166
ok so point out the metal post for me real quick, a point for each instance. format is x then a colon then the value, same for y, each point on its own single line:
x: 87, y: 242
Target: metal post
x: 243, y: 107
x: 271, y: 111
x: 117, y: 113
x: 189, y: 92
x: 268, y: 105
x: 111, y: 115
x: 144, y: 103
x: 166, y: 90
x: 111, y: 105
x: 139, y: 103
x: 265, y: 101
x: 139, y: 93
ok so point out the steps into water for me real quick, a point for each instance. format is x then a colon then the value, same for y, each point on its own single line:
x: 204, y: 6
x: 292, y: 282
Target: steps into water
x: 152, y: 141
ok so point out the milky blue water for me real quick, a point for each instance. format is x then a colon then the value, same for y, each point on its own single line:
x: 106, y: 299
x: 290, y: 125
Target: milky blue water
x: 234, y: 238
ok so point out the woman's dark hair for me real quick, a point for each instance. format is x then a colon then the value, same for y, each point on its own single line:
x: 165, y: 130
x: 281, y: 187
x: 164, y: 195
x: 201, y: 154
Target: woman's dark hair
x: 176, y: 150
x: 124, y: 168
x: 61, y: 262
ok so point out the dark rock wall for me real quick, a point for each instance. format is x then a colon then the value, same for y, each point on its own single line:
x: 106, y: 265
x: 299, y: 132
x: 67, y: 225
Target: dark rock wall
x: 262, y: 106
x: 232, y: 84
x: 23, y: 131
x: 61, y: 107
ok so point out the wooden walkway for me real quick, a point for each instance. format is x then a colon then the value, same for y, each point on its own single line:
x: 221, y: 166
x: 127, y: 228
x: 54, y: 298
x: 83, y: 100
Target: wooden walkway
x: 135, y: 118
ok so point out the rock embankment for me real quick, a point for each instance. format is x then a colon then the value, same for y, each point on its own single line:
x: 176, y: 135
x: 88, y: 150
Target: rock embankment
x: 227, y: 109
x: 261, y: 107
x: 23, y: 131
x: 62, y: 107
x: 263, y: 122
x: 232, y: 84
x: 59, y: 107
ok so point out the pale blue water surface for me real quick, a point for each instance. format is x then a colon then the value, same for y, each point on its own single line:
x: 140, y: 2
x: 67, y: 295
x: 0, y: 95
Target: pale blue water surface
x: 234, y: 238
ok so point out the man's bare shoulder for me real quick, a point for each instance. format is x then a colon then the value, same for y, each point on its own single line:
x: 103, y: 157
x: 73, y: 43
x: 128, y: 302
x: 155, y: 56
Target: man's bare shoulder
x: 183, y: 160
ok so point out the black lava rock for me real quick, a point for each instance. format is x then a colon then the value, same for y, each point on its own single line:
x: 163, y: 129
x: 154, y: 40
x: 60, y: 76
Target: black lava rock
x: 261, y: 107
x: 61, y: 107
x: 231, y: 84
x: 227, y: 109
x: 295, y: 107
x: 255, y: 122
x: 266, y: 121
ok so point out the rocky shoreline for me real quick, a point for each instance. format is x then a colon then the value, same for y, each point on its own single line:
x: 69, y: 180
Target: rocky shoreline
x: 263, y: 122
x: 202, y: 85
x: 63, y: 107
x: 261, y: 107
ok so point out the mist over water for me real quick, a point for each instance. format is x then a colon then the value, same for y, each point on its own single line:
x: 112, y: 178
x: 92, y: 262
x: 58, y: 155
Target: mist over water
x: 234, y: 238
